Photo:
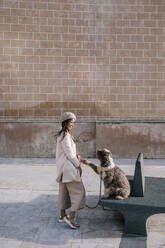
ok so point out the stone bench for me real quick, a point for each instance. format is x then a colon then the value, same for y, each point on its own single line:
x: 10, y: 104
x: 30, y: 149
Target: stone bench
x: 147, y: 198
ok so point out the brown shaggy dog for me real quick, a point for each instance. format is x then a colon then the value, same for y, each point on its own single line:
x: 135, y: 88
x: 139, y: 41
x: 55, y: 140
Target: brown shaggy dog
x: 115, y: 182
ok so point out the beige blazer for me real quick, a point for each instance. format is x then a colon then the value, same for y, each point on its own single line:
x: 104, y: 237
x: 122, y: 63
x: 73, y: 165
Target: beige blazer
x: 66, y: 160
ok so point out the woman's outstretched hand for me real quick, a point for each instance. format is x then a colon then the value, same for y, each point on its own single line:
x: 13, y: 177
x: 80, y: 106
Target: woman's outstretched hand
x: 82, y: 160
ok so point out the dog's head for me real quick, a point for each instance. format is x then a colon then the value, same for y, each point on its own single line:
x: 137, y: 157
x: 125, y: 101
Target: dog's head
x: 104, y: 155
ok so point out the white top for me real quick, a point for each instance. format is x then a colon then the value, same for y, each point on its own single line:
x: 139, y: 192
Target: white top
x: 66, y: 160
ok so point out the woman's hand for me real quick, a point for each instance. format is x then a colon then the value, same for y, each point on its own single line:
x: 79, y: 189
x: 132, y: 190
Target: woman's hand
x: 78, y: 157
x: 82, y: 160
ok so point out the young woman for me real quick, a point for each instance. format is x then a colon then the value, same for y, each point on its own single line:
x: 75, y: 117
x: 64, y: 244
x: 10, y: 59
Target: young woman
x: 71, y: 188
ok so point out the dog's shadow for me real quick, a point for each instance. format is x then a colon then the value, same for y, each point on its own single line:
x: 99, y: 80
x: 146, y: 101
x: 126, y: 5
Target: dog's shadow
x: 36, y: 222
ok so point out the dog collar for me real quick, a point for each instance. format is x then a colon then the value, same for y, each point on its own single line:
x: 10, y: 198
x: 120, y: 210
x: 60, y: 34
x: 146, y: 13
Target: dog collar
x: 106, y: 165
x: 112, y: 165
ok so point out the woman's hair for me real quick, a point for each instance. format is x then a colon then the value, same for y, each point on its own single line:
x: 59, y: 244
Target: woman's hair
x: 64, y: 130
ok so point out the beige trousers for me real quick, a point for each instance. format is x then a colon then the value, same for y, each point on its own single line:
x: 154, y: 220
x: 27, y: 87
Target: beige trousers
x: 71, y: 195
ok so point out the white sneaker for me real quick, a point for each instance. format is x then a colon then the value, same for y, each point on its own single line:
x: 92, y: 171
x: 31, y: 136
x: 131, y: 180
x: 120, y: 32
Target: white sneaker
x: 71, y: 223
x: 61, y: 219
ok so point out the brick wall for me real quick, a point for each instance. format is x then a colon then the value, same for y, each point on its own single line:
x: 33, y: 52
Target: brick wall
x: 102, y: 59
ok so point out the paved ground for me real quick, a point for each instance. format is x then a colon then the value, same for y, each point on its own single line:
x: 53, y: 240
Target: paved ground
x: 28, y: 209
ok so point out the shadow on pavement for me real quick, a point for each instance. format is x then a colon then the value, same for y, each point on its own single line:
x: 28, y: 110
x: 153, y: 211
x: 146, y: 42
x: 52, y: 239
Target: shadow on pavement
x: 36, y: 221
x: 129, y: 241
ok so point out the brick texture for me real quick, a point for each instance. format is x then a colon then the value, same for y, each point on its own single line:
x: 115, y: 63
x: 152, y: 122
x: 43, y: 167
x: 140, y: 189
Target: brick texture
x: 100, y: 59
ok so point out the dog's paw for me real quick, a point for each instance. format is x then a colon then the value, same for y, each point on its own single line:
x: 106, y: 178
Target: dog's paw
x: 85, y: 161
x: 105, y: 196
x: 118, y: 197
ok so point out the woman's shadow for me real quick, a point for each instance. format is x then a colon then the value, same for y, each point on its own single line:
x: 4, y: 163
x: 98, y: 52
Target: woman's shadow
x: 37, y: 222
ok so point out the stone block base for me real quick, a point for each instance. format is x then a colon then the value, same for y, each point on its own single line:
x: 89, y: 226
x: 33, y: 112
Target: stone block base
x: 124, y: 139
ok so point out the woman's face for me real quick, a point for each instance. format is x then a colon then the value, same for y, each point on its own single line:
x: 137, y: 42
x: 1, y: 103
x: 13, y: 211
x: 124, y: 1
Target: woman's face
x: 70, y: 124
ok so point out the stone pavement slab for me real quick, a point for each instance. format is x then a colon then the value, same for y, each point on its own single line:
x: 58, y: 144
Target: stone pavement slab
x: 29, y: 213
